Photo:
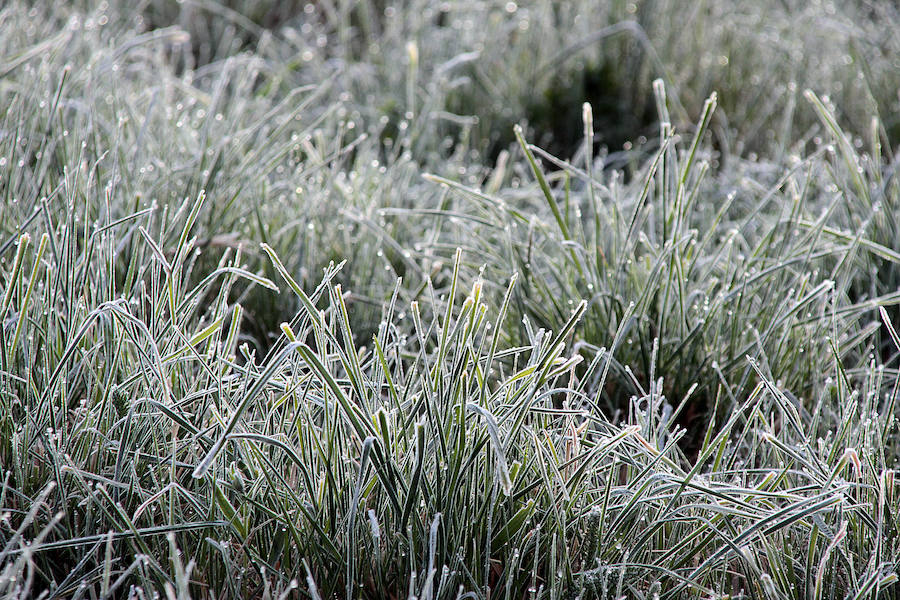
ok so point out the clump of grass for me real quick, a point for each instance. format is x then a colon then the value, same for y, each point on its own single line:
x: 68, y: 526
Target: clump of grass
x: 427, y: 464
x: 289, y: 166
x: 864, y: 213
x: 686, y: 272
x: 242, y: 355
x: 430, y: 463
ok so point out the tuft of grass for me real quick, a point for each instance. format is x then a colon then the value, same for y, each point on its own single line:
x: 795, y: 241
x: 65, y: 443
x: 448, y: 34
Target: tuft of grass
x: 690, y: 275
x: 289, y: 308
x: 429, y: 463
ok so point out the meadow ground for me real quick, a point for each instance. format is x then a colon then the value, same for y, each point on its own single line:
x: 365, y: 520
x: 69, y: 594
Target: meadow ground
x: 465, y: 299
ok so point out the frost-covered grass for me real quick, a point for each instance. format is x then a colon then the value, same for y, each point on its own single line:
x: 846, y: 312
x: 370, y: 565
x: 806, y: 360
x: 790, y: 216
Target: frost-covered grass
x: 290, y: 308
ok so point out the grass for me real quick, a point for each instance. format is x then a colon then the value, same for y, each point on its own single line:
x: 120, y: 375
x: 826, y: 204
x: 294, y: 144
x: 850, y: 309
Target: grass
x: 344, y: 299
